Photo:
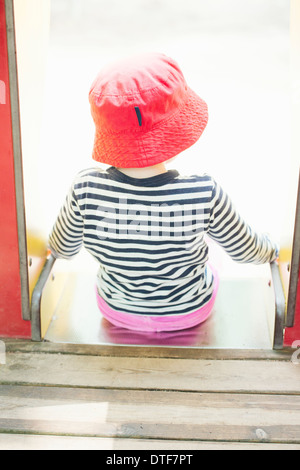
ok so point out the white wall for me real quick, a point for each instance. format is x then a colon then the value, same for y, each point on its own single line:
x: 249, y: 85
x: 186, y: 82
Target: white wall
x: 295, y: 112
x: 32, y: 22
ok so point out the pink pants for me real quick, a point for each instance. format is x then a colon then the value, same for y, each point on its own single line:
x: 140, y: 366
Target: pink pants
x: 156, y: 324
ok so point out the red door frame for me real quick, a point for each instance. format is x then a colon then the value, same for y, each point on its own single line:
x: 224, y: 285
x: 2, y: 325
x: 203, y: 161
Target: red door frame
x: 292, y: 335
x: 13, y: 259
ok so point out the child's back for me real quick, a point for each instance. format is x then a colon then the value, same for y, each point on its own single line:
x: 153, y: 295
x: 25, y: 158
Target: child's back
x: 148, y: 234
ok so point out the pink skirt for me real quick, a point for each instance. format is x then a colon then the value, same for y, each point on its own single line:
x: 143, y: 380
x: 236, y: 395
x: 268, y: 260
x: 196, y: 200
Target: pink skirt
x: 148, y: 323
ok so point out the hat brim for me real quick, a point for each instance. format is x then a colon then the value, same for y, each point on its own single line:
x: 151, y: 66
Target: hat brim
x: 163, y: 142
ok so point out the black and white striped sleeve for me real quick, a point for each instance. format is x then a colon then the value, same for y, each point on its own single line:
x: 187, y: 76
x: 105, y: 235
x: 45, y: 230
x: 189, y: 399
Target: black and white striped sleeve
x: 238, y: 239
x: 66, y: 238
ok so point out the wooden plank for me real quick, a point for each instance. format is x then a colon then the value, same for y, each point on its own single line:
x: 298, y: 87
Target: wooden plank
x: 13, y: 345
x: 147, y: 373
x: 166, y: 415
x: 39, y: 442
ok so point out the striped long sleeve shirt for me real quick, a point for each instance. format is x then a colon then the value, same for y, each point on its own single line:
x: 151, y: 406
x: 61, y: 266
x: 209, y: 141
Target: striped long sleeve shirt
x: 149, y: 237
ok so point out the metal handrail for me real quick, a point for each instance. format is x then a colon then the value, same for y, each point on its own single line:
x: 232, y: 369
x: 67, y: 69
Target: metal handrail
x: 36, y: 299
x: 280, y: 306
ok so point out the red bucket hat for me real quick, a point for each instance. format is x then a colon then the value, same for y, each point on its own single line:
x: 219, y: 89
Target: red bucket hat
x: 144, y: 112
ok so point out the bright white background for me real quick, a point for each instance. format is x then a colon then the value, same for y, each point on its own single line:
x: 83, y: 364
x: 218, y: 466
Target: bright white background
x: 234, y: 54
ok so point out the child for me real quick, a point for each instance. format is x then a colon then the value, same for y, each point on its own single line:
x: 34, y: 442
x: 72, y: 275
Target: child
x: 146, y: 226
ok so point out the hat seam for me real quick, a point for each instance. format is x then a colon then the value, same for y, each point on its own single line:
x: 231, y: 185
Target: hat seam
x: 133, y: 93
x: 141, y: 145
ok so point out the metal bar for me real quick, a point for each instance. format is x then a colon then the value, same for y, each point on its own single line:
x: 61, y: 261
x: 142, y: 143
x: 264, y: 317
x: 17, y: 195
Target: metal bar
x: 36, y: 298
x: 17, y: 150
x: 280, y: 306
x: 294, y: 273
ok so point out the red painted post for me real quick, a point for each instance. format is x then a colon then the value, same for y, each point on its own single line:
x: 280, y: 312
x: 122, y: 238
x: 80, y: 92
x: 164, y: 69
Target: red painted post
x: 11, y: 323
x: 292, y: 335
